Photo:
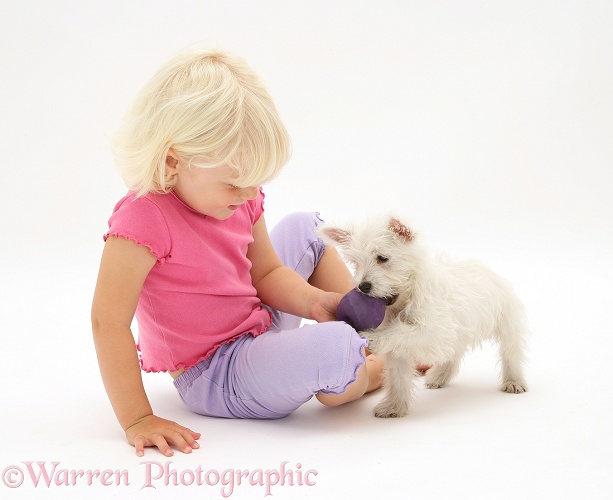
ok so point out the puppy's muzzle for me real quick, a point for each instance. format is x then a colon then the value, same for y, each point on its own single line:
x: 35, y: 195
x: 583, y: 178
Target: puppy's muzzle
x: 390, y: 300
x: 366, y: 287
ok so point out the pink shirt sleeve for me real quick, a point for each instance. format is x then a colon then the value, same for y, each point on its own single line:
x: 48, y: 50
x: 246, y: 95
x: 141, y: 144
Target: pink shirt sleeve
x: 140, y: 220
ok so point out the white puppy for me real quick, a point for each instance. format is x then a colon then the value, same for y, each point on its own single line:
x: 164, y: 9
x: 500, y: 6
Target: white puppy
x: 436, y: 309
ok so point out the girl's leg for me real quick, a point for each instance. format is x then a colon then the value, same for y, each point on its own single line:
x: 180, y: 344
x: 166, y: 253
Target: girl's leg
x: 275, y: 373
x: 369, y: 379
x: 272, y: 375
x: 331, y: 273
x: 299, y: 248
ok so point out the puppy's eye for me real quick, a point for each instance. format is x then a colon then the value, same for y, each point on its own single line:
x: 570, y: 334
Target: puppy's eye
x: 381, y: 259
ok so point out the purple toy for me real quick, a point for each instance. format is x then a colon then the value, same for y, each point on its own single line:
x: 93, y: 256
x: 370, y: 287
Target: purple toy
x: 361, y: 311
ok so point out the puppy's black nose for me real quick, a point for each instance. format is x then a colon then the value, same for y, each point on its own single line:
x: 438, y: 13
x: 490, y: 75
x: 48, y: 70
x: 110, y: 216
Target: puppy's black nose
x: 365, y: 286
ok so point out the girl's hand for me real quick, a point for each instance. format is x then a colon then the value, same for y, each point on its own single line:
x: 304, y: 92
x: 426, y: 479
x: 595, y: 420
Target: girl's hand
x: 159, y: 432
x: 325, y: 308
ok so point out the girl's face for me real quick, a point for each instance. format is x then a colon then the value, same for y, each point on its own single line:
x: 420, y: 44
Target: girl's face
x: 209, y: 190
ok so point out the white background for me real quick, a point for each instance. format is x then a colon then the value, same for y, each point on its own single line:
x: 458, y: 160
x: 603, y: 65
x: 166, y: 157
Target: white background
x: 487, y: 123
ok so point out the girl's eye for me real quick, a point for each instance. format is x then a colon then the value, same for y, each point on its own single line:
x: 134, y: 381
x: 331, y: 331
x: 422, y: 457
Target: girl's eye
x: 232, y: 186
x: 381, y: 259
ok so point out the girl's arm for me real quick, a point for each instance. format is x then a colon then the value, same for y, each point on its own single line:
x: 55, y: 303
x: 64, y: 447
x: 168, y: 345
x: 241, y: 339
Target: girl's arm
x: 283, y: 288
x: 123, y: 270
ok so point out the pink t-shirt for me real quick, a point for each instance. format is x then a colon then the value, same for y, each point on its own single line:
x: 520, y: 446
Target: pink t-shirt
x: 199, y: 295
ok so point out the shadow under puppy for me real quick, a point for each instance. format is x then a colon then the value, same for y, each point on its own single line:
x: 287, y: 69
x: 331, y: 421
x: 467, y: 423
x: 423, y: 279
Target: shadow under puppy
x: 436, y: 309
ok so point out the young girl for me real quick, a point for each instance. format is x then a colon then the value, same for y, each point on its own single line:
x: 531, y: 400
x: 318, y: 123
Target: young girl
x: 189, y: 254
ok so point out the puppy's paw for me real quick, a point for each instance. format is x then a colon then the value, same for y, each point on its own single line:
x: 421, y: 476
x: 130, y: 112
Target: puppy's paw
x: 437, y: 377
x: 373, y: 341
x: 514, y: 387
x: 389, y: 410
x: 435, y: 384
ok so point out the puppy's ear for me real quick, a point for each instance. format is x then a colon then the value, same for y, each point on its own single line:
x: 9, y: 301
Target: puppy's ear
x: 334, y: 235
x: 400, y: 230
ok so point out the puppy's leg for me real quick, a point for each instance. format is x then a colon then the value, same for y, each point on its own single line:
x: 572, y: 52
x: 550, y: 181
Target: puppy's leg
x: 511, y: 335
x: 399, y: 387
x: 511, y: 371
x: 439, y: 375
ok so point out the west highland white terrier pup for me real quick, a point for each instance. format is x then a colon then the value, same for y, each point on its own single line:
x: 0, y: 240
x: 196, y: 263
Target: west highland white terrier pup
x: 436, y: 309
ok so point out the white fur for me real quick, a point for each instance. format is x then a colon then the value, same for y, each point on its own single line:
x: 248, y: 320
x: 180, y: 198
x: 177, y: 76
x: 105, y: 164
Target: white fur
x: 442, y: 309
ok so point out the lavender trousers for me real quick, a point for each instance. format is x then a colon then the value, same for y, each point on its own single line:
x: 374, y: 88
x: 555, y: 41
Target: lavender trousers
x: 271, y: 375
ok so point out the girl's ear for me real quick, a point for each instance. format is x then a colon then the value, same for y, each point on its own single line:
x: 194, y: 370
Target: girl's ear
x: 172, y: 160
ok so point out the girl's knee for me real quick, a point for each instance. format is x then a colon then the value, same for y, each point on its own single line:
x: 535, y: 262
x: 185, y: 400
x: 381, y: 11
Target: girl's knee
x: 301, y: 223
x: 296, y: 242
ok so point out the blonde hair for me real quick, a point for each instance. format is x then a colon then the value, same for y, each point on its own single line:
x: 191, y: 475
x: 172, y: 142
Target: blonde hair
x: 212, y: 110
